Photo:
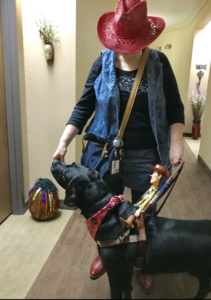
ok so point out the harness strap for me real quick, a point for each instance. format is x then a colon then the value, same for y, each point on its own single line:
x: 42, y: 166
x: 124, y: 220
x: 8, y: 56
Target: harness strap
x: 141, y: 237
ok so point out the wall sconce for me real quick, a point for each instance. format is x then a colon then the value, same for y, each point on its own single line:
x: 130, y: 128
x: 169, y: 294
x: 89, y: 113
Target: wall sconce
x: 168, y: 46
x: 158, y: 48
x: 200, y: 74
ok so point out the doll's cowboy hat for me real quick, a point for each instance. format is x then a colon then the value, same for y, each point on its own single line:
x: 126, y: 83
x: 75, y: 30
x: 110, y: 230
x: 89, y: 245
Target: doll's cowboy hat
x: 160, y: 169
x: 129, y: 29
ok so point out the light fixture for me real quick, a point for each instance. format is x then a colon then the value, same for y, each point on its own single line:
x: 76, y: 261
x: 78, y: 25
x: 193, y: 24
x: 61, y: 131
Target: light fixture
x: 168, y: 46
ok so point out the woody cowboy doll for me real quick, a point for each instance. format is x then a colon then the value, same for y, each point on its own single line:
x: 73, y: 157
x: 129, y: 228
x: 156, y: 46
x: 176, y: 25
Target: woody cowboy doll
x: 159, y: 172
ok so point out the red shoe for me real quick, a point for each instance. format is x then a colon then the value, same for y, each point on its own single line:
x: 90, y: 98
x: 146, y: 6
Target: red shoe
x: 145, y: 281
x: 97, y: 269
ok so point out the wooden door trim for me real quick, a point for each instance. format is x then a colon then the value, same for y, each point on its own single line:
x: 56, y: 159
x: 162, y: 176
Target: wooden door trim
x: 10, y: 56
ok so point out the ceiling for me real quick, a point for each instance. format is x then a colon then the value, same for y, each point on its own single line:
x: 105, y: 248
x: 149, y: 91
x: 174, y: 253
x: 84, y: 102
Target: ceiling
x: 174, y: 12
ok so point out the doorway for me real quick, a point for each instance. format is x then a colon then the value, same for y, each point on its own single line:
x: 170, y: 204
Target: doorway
x: 5, y: 199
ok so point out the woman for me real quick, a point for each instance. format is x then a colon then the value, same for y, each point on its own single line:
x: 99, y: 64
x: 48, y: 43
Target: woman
x: 154, y: 133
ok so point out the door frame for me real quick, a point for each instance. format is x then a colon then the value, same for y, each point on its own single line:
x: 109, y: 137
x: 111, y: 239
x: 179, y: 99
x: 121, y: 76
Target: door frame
x: 12, y: 92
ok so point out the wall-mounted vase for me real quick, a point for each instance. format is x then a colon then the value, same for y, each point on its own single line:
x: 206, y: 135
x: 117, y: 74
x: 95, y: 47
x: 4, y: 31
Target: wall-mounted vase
x: 48, y: 51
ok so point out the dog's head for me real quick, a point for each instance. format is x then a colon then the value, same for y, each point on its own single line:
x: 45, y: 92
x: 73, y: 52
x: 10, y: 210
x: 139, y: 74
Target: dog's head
x: 84, y: 187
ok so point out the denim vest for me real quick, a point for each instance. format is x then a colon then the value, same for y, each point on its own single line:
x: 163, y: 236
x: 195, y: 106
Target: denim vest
x: 105, y: 124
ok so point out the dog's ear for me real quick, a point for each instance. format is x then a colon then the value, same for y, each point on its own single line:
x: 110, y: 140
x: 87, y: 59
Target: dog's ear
x: 93, y: 174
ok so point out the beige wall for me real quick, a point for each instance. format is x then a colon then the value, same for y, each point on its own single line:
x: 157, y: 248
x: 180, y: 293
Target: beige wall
x: 205, y: 146
x: 88, y: 46
x: 201, y: 55
x: 47, y: 89
x: 180, y: 56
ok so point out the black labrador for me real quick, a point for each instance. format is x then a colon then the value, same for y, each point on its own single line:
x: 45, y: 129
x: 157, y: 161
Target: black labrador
x: 173, y: 246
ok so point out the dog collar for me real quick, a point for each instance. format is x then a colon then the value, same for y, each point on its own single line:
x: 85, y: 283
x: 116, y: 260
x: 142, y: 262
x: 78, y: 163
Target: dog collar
x: 95, y: 221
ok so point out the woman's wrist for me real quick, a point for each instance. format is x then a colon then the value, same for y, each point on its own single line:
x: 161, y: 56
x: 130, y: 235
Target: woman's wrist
x: 177, y: 132
x: 63, y: 142
x: 177, y: 140
x: 70, y: 132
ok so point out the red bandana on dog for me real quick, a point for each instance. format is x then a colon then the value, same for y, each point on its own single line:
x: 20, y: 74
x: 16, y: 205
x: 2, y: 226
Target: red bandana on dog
x: 94, y: 222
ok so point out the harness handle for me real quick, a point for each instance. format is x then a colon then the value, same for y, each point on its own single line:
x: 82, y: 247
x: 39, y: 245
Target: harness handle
x: 164, y: 202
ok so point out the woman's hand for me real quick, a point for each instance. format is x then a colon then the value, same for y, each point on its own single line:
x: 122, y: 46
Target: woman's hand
x: 176, y: 151
x: 60, y: 151
x: 177, y: 144
x: 68, y: 135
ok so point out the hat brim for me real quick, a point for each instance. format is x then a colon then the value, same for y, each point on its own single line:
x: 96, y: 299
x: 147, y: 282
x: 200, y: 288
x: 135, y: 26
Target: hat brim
x: 165, y: 173
x: 137, y: 43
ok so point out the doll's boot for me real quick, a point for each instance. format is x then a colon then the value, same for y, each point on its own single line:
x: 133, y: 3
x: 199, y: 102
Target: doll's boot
x: 129, y: 222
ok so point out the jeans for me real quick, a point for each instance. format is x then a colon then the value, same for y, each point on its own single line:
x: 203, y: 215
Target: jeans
x: 134, y: 168
x: 117, y: 188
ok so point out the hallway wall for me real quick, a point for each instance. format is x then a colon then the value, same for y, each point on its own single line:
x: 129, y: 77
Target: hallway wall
x: 201, y: 55
x: 88, y: 46
x: 205, y: 146
x: 180, y: 55
x: 47, y: 88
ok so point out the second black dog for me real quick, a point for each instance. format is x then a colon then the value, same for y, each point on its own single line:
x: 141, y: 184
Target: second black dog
x: 173, y: 246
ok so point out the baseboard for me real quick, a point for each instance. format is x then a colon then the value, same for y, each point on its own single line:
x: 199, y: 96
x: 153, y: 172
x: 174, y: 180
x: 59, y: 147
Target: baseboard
x: 63, y: 206
x: 204, y: 166
x: 185, y: 134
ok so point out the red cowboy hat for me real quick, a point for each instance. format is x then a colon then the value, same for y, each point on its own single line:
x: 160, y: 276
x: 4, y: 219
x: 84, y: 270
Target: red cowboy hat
x: 129, y: 29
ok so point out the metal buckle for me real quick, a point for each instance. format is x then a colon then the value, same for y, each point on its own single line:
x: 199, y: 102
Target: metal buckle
x: 120, y: 240
x: 133, y: 238
x: 118, y: 142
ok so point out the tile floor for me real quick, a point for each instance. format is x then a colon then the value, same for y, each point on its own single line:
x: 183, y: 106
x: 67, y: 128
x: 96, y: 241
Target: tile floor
x: 25, y: 245
x: 194, y: 145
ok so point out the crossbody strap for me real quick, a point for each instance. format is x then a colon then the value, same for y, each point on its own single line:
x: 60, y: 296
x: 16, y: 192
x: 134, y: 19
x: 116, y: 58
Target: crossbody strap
x: 134, y: 92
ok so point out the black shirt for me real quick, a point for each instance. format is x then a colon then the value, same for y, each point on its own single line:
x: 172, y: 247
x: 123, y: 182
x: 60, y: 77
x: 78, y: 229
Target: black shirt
x: 138, y: 133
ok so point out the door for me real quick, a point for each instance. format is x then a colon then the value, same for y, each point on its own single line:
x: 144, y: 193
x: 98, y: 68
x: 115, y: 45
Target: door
x: 5, y: 196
